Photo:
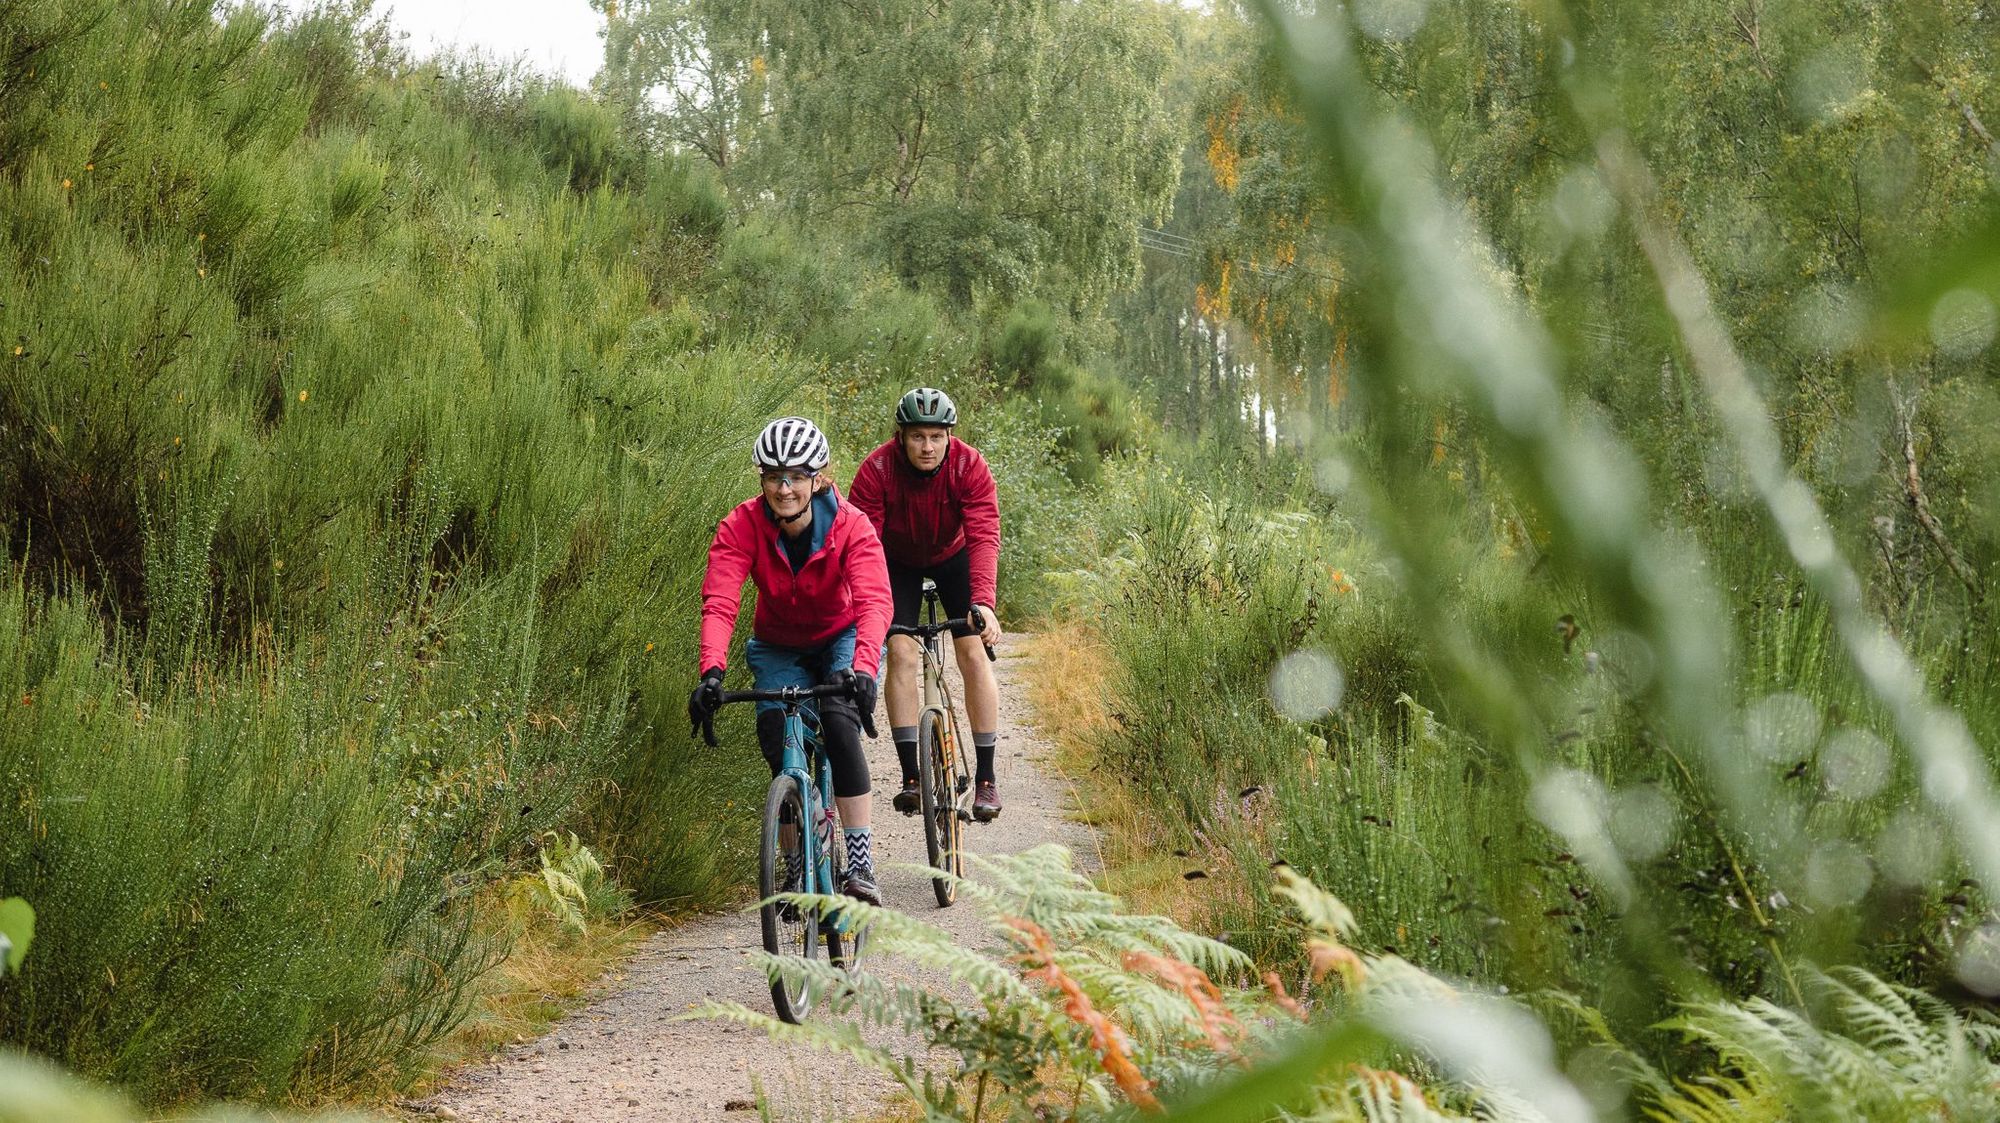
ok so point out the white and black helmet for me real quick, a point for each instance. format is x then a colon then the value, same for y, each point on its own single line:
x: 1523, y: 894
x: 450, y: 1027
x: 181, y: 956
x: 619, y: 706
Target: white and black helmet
x: 791, y: 442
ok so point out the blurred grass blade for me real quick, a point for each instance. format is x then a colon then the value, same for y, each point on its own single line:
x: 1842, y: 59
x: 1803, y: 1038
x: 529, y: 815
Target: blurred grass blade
x: 1286, y: 1083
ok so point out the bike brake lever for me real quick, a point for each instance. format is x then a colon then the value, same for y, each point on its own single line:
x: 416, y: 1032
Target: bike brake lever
x: 978, y: 620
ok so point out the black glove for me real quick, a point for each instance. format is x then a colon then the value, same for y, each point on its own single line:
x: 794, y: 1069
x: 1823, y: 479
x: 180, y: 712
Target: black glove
x: 702, y: 704
x: 862, y: 689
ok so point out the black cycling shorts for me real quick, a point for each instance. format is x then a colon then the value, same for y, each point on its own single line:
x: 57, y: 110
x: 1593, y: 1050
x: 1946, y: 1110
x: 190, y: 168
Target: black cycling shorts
x: 954, y: 583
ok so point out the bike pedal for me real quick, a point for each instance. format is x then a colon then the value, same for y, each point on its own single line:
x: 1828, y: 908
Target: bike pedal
x: 964, y: 816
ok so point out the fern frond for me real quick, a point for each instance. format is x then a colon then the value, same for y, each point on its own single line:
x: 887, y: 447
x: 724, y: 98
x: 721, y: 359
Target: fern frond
x: 1882, y: 1018
x: 833, y: 1037
x: 1719, y: 1099
x: 1637, y: 1070
x: 1319, y: 908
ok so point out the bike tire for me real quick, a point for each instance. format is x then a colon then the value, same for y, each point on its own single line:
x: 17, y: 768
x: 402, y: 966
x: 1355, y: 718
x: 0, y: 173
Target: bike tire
x: 940, y: 807
x: 794, y: 934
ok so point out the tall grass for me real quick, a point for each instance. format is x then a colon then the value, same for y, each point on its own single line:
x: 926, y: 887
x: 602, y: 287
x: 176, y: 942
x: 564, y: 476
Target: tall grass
x: 1396, y: 796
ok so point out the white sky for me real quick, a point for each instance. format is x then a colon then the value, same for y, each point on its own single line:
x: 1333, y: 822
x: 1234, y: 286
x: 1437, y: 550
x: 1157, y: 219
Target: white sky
x: 554, y: 36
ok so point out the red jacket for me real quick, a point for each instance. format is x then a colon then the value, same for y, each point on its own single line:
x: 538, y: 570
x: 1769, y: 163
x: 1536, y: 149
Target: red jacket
x: 844, y: 582
x: 924, y: 520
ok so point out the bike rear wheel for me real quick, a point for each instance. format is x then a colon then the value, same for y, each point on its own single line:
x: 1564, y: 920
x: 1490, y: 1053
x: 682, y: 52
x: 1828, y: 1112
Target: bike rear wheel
x: 937, y: 785
x: 787, y: 930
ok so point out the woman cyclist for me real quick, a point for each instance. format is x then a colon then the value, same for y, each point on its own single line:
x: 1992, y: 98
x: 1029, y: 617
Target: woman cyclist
x: 823, y: 610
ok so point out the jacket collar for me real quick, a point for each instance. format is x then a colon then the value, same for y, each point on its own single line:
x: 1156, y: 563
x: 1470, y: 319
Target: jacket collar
x: 826, y: 505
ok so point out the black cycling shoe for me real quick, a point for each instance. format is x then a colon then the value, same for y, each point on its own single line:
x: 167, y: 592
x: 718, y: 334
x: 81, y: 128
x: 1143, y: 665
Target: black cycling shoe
x: 861, y: 887
x: 909, y: 801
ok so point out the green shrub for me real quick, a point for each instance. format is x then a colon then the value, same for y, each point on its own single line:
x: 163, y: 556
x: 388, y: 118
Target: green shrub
x: 577, y: 137
x: 767, y: 285
x: 1027, y: 344
x: 231, y: 861
x: 683, y: 194
x: 36, y: 1091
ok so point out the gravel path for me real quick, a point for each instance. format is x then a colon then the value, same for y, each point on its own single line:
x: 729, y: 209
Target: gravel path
x: 622, y: 1058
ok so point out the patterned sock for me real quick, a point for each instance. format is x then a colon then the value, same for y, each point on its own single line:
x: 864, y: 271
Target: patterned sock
x: 860, y: 851
x: 982, y: 748
x: 905, y: 737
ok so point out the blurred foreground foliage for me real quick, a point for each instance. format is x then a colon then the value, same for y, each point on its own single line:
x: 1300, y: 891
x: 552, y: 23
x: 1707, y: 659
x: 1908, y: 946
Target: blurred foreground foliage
x: 1075, y: 1007
x: 1583, y: 565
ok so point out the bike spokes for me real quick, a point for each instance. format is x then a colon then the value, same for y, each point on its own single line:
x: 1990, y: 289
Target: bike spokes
x: 940, y: 807
x: 787, y: 930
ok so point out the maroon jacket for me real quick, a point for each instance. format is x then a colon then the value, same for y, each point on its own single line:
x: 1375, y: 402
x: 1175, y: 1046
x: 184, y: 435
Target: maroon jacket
x: 924, y: 520
x: 844, y: 582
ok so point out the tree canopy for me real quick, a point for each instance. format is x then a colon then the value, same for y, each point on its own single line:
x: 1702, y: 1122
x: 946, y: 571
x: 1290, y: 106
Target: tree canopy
x: 980, y: 147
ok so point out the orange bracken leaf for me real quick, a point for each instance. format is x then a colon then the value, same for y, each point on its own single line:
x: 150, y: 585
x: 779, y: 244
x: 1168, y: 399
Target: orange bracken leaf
x: 1114, y: 1051
x: 1328, y: 957
x: 1394, y: 1083
x: 1217, y: 1023
x: 1284, y: 1000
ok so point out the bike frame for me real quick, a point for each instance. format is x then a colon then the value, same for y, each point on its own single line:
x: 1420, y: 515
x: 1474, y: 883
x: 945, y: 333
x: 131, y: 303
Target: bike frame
x: 802, y: 754
x: 937, y: 695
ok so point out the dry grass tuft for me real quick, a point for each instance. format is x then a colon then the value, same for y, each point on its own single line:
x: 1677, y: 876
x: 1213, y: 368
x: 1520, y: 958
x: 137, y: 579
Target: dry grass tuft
x: 1068, y: 682
x: 1145, y: 857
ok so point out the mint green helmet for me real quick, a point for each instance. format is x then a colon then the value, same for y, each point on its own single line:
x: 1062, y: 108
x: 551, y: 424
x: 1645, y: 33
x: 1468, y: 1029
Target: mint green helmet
x: 925, y: 406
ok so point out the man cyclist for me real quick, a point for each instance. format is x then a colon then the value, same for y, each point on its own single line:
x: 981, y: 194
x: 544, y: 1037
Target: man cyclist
x: 823, y: 608
x: 931, y: 498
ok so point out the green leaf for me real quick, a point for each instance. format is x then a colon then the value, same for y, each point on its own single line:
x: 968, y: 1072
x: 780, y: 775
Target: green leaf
x: 17, y: 931
x: 1283, y: 1083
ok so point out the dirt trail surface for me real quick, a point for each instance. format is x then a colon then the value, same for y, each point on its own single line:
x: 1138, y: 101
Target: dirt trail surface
x: 623, y: 1058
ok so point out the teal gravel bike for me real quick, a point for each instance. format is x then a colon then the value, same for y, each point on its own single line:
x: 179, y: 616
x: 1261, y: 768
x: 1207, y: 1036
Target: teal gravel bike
x: 800, y: 795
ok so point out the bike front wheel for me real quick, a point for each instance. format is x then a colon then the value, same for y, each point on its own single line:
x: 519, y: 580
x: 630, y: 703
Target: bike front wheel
x: 938, y: 786
x: 788, y: 930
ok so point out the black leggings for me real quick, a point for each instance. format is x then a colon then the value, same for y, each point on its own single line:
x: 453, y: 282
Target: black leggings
x: 839, y: 732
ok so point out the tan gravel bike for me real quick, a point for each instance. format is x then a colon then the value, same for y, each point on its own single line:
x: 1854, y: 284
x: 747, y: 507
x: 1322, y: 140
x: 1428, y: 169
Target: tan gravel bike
x: 944, y: 777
